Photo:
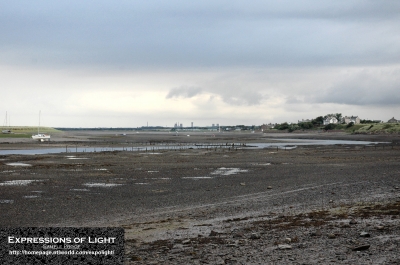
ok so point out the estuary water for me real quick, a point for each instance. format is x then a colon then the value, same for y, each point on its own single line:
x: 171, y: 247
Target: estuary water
x: 280, y: 143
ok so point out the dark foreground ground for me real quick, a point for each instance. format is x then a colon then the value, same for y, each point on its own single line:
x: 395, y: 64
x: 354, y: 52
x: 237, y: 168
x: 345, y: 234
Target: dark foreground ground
x: 309, y: 205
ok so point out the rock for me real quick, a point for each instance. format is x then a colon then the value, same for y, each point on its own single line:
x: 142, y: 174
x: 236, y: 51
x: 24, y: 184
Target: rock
x: 288, y: 240
x: 269, y: 187
x: 243, y: 184
x: 361, y: 248
x: 316, y: 233
x: 380, y: 227
x: 255, y: 236
x: 353, y: 222
x: 238, y: 235
x: 284, y: 247
x: 185, y: 242
x: 213, y: 233
x: 365, y: 234
x: 331, y: 236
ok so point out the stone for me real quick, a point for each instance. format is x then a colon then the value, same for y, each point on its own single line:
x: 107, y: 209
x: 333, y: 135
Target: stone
x: 331, y: 236
x: 353, y: 222
x: 361, y: 248
x: 284, y: 247
x: 269, y: 187
x: 364, y: 234
x: 238, y: 235
x: 288, y: 240
x: 213, y: 233
x: 243, y: 184
x: 255, y: 236
x: 380, y: 227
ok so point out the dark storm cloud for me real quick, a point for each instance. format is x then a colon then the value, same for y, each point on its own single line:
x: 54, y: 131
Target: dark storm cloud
x: 157, y: 34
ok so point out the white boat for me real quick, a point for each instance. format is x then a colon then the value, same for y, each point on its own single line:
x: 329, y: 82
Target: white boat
x: 41, y: 136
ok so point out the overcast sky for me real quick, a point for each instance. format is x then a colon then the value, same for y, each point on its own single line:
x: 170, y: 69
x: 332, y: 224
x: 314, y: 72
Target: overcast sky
x: 129, y: 63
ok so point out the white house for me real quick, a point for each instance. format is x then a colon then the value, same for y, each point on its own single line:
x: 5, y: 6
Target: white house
x: 330, y: 119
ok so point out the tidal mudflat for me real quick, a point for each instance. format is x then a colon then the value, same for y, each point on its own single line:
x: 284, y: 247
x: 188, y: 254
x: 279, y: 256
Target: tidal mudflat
x: 309, y: 205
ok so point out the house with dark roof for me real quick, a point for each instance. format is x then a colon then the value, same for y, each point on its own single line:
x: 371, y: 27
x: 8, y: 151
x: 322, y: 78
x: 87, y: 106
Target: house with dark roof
x: 353, y: 119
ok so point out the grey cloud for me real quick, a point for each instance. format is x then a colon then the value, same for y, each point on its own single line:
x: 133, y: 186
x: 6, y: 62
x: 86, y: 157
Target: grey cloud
x: 248, y: 98
x: 151, y: 34
x: 184, y: 92
x: 366, y: 88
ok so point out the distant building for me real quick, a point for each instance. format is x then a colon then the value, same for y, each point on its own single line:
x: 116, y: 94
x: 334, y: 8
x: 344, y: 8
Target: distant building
x: 268, y: 126
x: 353, y: 119
x: 330, y: 120
x: 393, y: 120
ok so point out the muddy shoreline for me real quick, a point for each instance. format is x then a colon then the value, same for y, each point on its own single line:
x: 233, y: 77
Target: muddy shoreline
x: 308, y: 205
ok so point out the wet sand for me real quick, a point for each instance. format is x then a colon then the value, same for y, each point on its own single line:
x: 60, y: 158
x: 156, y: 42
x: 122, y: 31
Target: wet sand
x: 215, y: 206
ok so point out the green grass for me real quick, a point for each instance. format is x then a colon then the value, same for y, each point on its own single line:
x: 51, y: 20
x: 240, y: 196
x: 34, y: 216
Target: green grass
x: 26, y: 131
x: 379, y: 128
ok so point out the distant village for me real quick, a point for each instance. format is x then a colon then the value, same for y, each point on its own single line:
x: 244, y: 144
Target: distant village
x: 327, y: 122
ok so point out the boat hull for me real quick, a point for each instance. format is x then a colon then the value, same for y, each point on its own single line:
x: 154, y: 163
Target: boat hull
x: 41, y: 137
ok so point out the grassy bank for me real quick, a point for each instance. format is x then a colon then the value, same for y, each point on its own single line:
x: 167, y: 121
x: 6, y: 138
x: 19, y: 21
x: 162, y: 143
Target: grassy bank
x: 379, y: 128
x: 26, y: 131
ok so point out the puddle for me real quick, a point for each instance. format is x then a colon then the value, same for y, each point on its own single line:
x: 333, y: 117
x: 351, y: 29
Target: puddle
x: 79, y: 190
x: 101, y: 185
x: 31, y: 196
x: 150, y: 153
x: 23, y: 182
x: 101, y: 169
x: 142, y: 183
x: 224, y: 171
x: 77, y: 158
x: 7, y: 201
x: 17, y: 164
x: 8, y: 171
x: 159, y: 178
x: 152, y: 171
x: 260, y: 164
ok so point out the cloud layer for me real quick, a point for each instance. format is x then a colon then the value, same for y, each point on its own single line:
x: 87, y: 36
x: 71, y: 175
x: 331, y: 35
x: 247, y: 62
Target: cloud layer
x: 127, y: 62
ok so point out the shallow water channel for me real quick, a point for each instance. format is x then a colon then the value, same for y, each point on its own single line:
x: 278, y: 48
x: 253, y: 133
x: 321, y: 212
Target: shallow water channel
x: 281, y: 143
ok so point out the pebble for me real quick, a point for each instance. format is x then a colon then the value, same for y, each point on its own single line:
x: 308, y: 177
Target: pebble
x: 284, y: 247
x: 255, y: 236
x: 364, y: 234
x: 353, y: 222
x: 361, y: 248
x: 331, y: 236
x: 213, y: 233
